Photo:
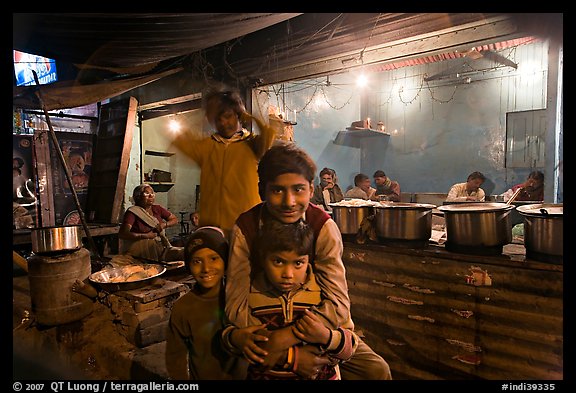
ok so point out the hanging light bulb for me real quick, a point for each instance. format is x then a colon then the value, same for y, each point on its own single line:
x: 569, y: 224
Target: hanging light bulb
x: 174, y: 126
x: 361, y: 81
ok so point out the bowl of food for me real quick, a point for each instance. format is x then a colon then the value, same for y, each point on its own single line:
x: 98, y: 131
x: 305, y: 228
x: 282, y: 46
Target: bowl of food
x: 126, y: 277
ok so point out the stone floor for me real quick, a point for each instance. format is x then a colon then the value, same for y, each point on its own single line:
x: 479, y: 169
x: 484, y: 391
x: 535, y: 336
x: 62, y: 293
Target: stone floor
x: 90, y: 348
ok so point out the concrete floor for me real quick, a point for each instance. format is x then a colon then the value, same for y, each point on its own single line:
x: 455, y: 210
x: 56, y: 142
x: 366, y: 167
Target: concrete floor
x: 90, y: 348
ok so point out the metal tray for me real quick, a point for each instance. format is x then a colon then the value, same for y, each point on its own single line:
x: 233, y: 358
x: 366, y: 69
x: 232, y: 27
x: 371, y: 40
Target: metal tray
x: 109, y: 279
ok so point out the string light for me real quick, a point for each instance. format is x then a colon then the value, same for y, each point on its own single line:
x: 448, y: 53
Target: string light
x: 285, y: 92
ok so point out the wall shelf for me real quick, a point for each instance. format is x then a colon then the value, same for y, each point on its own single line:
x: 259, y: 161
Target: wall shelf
x: 158, y: 153
x: 352, y: 138
x: 160, y: 186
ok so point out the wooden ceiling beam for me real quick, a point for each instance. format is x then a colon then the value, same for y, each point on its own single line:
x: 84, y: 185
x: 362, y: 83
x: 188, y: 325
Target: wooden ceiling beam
x: 459, y: 38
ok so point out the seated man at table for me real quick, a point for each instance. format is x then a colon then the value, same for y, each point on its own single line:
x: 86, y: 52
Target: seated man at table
x: 390, y: 189
x: 468, y: 191
x: 362, y: 189
x: 328, y: 191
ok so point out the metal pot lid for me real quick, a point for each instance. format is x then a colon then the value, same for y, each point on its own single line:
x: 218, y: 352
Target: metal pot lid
x: 475, y: 207
x: 404, y: 205
x: 542, y: 209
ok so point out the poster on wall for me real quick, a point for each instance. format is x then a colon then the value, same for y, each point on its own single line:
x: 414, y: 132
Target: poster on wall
x: 24, y: 196
x: 77, y: 151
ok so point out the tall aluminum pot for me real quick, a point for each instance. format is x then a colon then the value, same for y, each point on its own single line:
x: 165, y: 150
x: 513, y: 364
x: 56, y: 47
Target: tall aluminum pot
x: 543, y: 229
x: 404, y: 221
x: 477, y: 224
x: 52, y: 240
x: 349, y: 217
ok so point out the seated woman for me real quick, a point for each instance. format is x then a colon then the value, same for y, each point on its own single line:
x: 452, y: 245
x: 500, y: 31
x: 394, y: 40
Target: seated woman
x: 143, y: 228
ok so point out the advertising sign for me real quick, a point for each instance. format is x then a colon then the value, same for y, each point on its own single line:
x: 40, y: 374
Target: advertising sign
x: 24, y: 63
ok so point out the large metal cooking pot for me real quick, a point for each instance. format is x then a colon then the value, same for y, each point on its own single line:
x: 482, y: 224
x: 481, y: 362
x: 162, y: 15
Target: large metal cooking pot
x: 543, y: 231
x: 477, y: 227
x: 126, y: 277
x: 404, y: 221
x: 348, y: 214
x: 515, y: 216
x: 52, y: 240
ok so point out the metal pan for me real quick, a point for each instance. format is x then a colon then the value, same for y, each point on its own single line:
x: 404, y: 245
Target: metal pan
x: 126, y: 277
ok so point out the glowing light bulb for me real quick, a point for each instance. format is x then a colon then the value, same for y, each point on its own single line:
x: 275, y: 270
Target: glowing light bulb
x: 362, y: 81
x: 174, y: 125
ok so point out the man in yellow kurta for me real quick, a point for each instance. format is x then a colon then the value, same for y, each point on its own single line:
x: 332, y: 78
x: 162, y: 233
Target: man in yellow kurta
x: 228, y: 159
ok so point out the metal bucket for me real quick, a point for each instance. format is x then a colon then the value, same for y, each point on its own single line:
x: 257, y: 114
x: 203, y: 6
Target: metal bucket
x: 51, y: 279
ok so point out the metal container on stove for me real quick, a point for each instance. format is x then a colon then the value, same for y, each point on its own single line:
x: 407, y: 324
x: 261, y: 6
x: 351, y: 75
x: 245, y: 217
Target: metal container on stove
x: 404, y: 221
x: 53, y: 240
x: 348, y: 214
x: 477, y: 227
x: 543, y: 231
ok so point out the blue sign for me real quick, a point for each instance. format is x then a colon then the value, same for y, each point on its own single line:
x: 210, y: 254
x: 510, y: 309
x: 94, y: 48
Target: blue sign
x: 24, y: 63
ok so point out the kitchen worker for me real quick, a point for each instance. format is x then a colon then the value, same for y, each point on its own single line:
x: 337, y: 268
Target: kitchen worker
x: 143, y: 228
x: 328, y: 191
x: 228, y: 159
x: 362, y: 189
x: 386, y: 187
x: 468, y: 191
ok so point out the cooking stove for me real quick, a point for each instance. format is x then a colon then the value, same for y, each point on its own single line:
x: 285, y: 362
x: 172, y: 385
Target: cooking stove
x: 143, y: 313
